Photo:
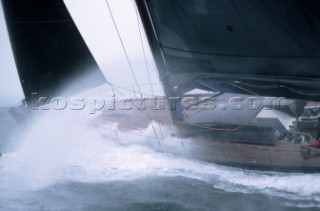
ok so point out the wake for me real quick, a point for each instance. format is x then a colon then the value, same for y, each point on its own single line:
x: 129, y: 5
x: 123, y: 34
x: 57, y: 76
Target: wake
x: 65, y: 146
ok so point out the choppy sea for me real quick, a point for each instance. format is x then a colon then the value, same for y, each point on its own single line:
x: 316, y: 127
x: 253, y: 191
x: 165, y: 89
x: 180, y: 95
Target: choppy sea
x: 61, y: 162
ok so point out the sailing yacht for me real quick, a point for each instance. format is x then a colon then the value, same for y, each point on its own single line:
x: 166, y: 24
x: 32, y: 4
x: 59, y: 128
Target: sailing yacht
x: 241, y: 78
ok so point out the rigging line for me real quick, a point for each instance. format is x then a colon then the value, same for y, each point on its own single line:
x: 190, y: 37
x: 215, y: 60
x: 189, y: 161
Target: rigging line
x: 146, y: 62
x: 153, y: 84
x: 134, y: 92
x: 131, y: 67
x: 143, y: 48
x: 307, y: 17
x: 192, y: 22
x: 123, y: 47
x: 180, y: 21
x: 278, y: 19
x: 243, y: 89
x: 145, y: 58
x: 147, y: 113
x: 161, y: 133
x: 153, y: 60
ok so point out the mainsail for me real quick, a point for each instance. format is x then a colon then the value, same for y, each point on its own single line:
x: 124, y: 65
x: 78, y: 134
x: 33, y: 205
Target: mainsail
x: 49, y: 51
x: 261, y: 48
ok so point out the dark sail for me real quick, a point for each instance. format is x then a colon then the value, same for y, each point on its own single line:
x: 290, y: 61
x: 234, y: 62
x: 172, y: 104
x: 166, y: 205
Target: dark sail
x: 263, y: 48
x: 48, y: 48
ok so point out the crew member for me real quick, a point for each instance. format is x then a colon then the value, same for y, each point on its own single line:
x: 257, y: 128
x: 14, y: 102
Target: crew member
x: 316, y: 143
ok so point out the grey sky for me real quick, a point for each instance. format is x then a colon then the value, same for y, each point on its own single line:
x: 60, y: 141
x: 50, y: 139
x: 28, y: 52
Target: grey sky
x: 10, y: 88
x: 96, y: 26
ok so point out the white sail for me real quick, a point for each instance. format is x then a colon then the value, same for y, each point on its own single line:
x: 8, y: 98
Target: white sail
x: 96, y: 25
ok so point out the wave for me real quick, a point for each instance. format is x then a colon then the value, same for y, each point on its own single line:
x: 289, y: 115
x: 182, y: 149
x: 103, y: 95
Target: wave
x: 64, y: 146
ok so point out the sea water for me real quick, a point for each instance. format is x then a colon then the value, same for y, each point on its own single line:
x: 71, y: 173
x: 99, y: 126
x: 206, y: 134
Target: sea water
x: 61, y: 161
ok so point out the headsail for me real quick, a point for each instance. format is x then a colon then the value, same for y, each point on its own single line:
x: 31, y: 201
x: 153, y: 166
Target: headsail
x: 112, y: 30
x: 48, y: 48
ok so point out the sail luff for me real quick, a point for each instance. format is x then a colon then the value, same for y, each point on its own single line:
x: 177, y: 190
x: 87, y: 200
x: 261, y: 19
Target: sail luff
x: 154, y: 45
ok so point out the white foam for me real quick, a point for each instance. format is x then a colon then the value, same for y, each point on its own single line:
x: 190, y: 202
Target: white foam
x: 64, y: 146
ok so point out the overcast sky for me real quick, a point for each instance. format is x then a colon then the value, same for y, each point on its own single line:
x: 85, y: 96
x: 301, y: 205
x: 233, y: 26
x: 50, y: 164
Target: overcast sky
x: 95, y: 25
x: 10, y: 89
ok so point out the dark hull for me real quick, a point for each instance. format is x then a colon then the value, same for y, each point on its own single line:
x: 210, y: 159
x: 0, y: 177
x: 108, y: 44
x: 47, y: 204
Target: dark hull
x: 281, y: 156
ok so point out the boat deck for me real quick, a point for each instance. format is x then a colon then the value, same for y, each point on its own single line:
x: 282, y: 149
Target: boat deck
x: 282, y: 155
